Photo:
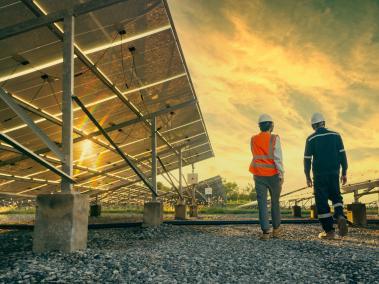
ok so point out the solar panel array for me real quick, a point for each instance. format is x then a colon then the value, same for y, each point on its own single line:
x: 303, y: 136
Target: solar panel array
x: 218, y: 190
x: 128, y: 67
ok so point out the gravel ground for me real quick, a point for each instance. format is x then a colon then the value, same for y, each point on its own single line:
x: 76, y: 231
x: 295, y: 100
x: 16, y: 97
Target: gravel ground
x: 197, y: 254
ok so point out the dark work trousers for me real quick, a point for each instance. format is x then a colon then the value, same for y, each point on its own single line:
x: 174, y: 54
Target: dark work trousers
x: 327, y: 187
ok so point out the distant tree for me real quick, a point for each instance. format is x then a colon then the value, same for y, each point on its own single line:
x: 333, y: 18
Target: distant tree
x: 235, y: 193
x: 231, y: 190
x: 251, y: 190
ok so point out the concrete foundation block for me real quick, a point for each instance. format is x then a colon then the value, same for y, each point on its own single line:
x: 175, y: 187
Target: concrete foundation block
x: 61, y: 222
x: 95, y: 210
x: 193, y: 211
x: 180, y: 212
x: 153, y: 213
x: 296, y: 211
x: 314, y: 214
x: 356, y: 214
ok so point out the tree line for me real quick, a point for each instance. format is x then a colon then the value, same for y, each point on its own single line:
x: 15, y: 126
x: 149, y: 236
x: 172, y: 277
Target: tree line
x: 235, y: 193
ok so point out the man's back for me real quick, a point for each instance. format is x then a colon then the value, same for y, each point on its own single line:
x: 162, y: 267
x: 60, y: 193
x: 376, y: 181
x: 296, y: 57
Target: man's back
x: 326, y: 148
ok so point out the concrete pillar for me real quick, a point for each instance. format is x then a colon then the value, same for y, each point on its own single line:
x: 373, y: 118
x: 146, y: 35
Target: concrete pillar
x: 95, y: 210
x: 61, y: 222
x: 356, y: 214
x: 180, y: 211
x: 314, y: 214
x: 153, y: 213
x: 193, y: 211
x: 296, y: 211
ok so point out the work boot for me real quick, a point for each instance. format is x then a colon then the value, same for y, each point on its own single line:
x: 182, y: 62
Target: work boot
x: 342, y: 226
x: 265, y: 236
x: 276, y: 233
x: 327, y: 235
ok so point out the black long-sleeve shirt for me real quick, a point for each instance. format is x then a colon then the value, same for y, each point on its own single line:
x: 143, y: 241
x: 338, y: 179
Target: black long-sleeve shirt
x: 325, y: 151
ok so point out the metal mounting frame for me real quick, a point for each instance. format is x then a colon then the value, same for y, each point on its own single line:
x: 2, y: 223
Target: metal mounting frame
x: 32, y: 24
x: 29, y: 122
x: 96, y: 71
x: 119, y: 151
x: 35, y: 157
x: 48, y: 20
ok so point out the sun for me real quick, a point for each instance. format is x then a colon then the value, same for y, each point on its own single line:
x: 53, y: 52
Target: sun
x: 86, y: 149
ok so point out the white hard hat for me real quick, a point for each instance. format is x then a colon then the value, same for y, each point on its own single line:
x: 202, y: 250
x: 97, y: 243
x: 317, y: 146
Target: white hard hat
x: 264, y: 118
x: 317, y: 117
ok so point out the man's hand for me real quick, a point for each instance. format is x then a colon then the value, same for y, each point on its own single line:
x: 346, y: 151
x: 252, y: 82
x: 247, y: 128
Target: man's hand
x: 343, y: 180
x: 309, y: 182
x: 281, y: 179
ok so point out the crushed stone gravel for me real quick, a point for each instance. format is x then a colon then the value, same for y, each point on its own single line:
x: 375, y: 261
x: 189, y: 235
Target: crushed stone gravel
x: 196, y: 254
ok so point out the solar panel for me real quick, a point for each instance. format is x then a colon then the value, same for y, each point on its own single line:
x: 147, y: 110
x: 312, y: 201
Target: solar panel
x: 133, y: 69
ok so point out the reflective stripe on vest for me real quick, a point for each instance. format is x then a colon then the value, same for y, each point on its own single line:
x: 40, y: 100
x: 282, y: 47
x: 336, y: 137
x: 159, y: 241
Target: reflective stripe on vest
x: 268, y: 166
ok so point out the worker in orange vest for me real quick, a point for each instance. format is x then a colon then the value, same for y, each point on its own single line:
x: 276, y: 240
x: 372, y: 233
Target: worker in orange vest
x: 267, y: 168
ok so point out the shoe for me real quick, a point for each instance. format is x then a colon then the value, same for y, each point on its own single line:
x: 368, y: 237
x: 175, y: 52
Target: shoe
x: 342, y: 226
x: 327, y: 235
x: 264, y: 236
x: 276, y: 233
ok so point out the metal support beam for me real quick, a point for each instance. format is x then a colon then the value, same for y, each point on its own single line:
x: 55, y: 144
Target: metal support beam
x: 35, y: 157
x: 28, y: 179
x: 32, y: 24
x: 68, y: 91
x: 180, y: 174
x: 169, y: 177
x: 30, y: 123
x: 139, y: 173
x: 154, y: 155
x: 75, y: 166
x: 33, y: 180
x: 15, y: 195
x: 52, y: 119
x: 370, y: 184
x: 193, y: 193
x: 118, y: 166
x: 138, y: 119
x: 356, y: 196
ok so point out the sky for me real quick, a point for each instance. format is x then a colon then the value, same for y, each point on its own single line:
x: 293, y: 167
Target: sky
x: 288, y: 59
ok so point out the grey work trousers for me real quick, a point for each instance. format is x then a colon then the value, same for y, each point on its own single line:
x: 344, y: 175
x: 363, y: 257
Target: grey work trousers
x: 262, y: 185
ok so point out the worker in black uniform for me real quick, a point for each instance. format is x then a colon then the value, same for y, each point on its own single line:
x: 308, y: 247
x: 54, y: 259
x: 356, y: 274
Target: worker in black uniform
x: 325, y: 154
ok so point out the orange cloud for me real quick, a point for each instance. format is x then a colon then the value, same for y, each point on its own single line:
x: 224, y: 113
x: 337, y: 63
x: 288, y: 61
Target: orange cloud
x: 249, y: 57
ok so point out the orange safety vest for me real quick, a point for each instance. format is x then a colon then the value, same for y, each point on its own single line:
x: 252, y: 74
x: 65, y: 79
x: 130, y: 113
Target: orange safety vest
x: 262, y: 148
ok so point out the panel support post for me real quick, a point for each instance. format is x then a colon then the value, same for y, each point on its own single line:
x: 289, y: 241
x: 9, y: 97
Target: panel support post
x: 180, y: 208
x: 193, y: 207
x: 153, y: 210
x: 180, y: 174
x: 154, y: 156
x: 68, y: 90
x: 62, y: 218
x: 356, y: 214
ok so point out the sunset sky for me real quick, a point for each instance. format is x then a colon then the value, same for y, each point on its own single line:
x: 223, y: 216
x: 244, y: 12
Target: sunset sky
x: 289, y: 59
